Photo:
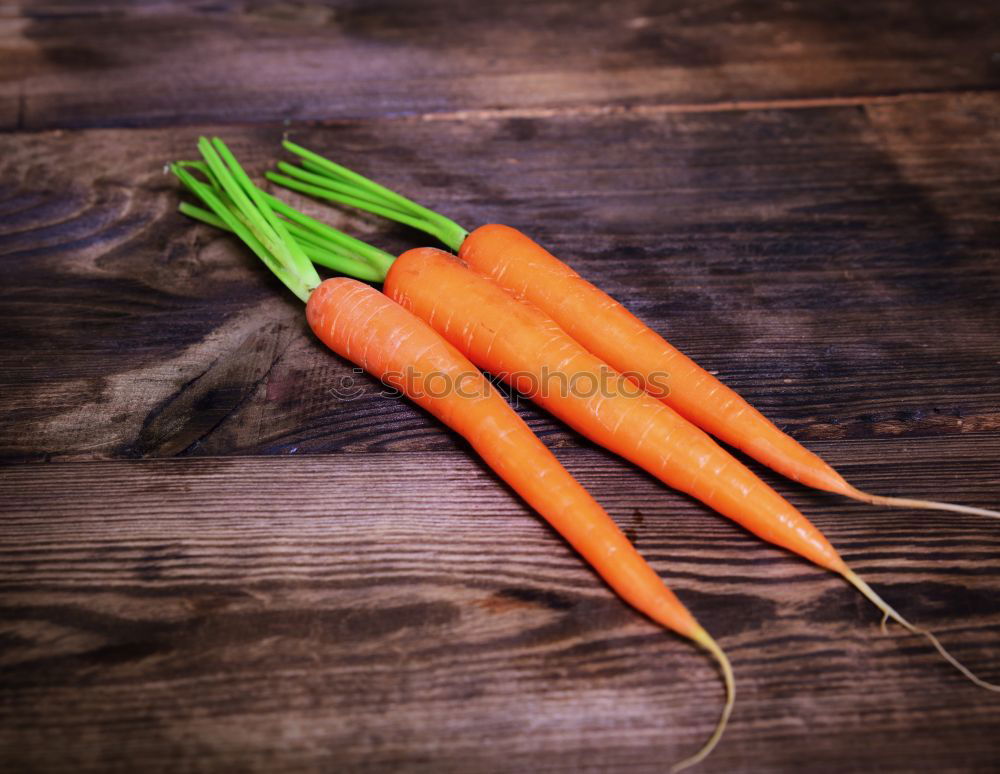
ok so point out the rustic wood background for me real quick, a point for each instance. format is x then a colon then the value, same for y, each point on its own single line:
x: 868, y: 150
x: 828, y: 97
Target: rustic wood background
x: 208, y: 563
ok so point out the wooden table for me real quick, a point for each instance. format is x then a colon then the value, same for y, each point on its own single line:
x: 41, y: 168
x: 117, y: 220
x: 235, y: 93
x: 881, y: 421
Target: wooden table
x: 209, y: 563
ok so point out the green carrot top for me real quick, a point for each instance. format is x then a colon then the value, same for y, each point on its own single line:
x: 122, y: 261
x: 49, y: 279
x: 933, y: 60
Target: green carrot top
x: 286, y: 240
x: 325, y: 179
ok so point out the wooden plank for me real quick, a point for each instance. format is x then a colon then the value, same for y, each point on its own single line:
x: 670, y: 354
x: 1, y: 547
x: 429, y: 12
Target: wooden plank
x: 122, y: 64
x: 838, y: 267
x: 405, y: 611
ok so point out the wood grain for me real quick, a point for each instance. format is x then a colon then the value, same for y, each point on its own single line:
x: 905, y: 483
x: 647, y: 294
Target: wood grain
x: 222, y: 550
x: 80, y: 64
x: 404, y: 611
x: 837, y: 267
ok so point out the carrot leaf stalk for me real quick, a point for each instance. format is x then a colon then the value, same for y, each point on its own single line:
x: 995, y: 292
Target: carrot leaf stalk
x: 302, y: 223
x: 205, y: 216
x: 237, y: 202
x: 325, y: 179
x: 250, y: 201
x: 316, y: 249
x: 288, y: 247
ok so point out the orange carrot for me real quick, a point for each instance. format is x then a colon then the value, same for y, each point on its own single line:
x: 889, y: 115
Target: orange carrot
x: 391, y: 343
x: 614, y: 334
x: 598, y: 322
x: 517, y: 341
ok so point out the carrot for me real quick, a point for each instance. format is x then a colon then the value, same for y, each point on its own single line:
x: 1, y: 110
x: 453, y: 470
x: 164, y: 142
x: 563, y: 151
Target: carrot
x: 600, y: 324
x: 392, y: 344
x: 610, y: 331
x: 520, y: 343
x: 515, y: 339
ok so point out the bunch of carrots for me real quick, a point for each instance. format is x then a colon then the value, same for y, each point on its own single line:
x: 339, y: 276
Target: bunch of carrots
x: 507, y: 306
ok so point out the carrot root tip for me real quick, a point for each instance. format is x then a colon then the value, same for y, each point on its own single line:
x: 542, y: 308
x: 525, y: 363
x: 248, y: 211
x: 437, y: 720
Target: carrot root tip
x: 925, y: 505
x: 705, y: 640
x: 889, y: 612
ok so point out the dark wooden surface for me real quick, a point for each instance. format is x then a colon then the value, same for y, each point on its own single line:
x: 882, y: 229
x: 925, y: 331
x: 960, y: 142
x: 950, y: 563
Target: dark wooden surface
x: 209, y: 563
x: 79, y: 63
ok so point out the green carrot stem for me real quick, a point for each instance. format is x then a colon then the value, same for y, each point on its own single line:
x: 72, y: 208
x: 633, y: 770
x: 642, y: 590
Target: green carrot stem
x: 227, y: 201
x: 256, y: 222
x: 333, y: 258
x: 202, y: 167
x: 362, y: 188
x: 443, y: 233
x: 338, y: 172
x: 288, y: 241
x: 380, y: 259
x: 311, y: 245
x: 332, y: 248
x: 434, y: 223
x: 219, y: 209
x: 239, y: 204
x: 240, y: 209
x: 330, y: 240
x: 204, y: 216
x: 323, y: 192
x: 348, y: 189
x: 289, y: 251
